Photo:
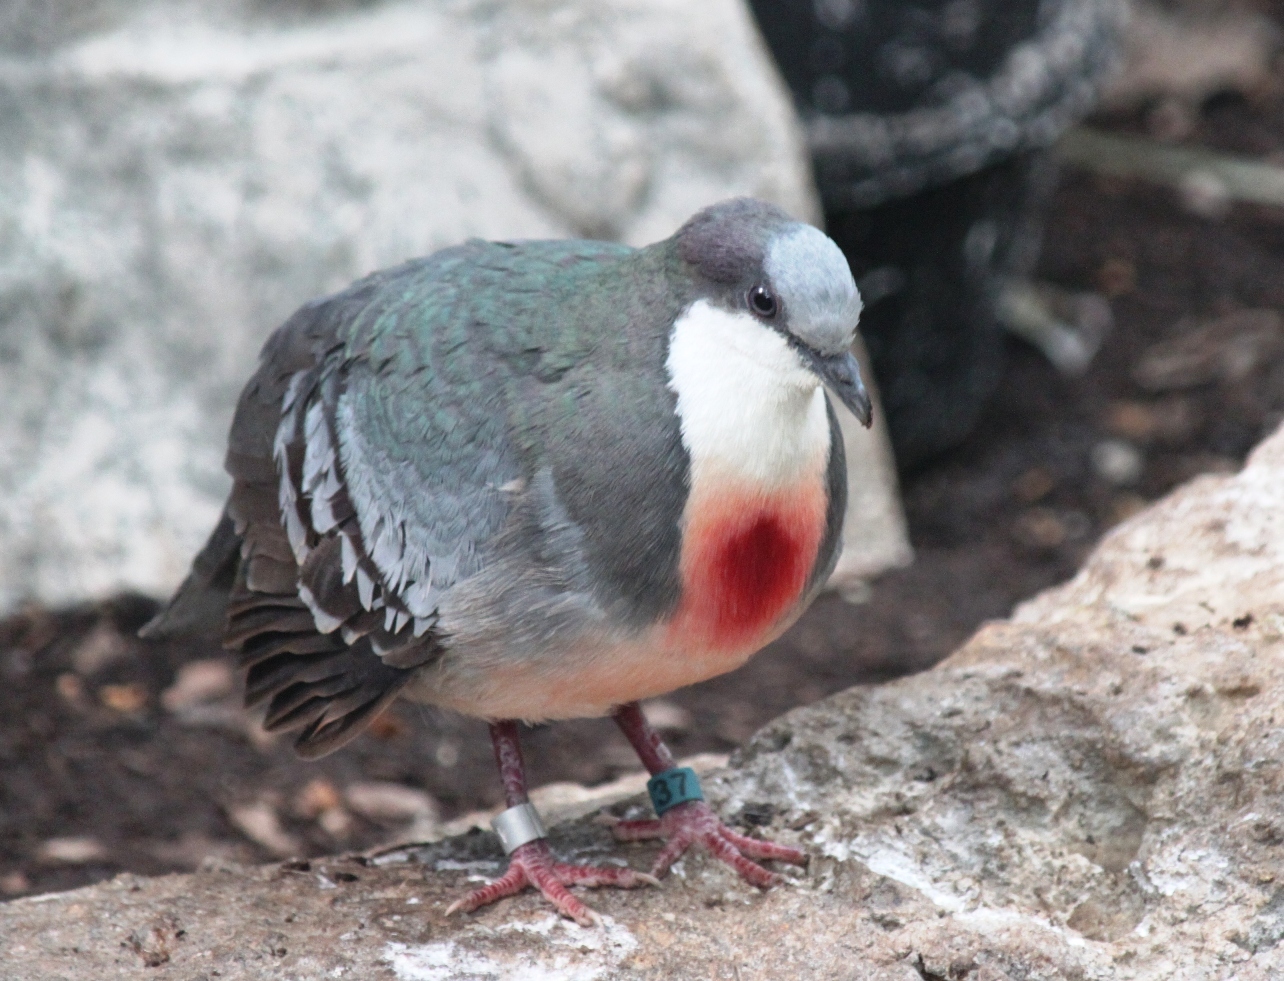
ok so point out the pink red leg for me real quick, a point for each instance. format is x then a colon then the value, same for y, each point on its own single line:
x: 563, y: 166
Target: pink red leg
x: 694, y: 822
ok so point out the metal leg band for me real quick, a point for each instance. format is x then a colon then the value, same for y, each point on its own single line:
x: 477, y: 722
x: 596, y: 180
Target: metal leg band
x: 517, y: 826
x: 673, y: 787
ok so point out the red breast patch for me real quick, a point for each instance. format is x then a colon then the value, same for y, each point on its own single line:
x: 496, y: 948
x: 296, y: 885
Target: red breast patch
x: 746, y: 558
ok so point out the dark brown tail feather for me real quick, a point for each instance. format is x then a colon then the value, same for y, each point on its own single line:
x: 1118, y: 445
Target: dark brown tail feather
x: 310, y: 681
x: 330, y: 694
x: 201, y: 601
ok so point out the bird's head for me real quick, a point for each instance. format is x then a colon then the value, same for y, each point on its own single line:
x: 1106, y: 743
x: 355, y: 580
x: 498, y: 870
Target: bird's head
x: 753, y: 260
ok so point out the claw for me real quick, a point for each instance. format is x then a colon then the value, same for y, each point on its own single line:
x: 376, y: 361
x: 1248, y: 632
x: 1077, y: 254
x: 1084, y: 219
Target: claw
x: 695, y: 823
x: 532, y: 865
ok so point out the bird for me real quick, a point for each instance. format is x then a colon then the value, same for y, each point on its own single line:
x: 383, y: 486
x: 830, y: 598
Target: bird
x: 539, y: 480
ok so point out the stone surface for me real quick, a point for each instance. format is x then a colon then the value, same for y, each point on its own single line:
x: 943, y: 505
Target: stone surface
x: 1189, y: 50
x: 1091, y: 789
x: 177, y: 177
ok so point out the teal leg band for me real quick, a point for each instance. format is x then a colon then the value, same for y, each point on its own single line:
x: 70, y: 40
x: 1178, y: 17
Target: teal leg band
x: 673, y: 787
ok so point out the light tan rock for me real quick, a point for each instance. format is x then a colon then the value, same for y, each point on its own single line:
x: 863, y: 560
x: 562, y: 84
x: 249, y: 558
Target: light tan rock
x: 1093, y: 789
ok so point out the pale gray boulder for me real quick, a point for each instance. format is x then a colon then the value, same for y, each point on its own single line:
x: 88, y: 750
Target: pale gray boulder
x: 176, y: 178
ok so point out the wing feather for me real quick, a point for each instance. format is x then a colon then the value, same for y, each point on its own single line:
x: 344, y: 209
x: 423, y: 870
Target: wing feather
x: 372, y: 468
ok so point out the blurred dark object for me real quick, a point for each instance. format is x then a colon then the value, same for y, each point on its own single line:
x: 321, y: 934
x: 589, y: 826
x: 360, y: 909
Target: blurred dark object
x: 931, y: 267
x: 928, y: 124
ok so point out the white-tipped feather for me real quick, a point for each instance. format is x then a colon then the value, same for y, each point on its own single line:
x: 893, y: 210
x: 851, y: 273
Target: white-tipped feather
x: 365, y: 589
x: 292, y: 391
x: 294, y: 529
x: 324, y: 621
x: 420, y: 597
x: 286, y: 497
x: 348, y: 556
x: 316, y: 447
x: 323, y: 516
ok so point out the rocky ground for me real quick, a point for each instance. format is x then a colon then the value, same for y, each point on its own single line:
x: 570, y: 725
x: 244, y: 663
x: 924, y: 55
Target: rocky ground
x: 120, y: 756
x: 1089, y: 789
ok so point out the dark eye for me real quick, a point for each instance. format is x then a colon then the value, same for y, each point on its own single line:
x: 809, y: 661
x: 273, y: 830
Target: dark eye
x: 762, y: 302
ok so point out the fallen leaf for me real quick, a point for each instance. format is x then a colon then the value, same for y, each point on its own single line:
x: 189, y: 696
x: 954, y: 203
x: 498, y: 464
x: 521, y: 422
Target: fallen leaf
x: 123, y: 698
x: 259, y: 823
x: 385, y: 801
x: 663, y: 714
x: 1227, y: 349
x: 70, y: 689
x: 101, y: 648
x: 317, y: 796
x: 71, y: 851
x: 199, y: 681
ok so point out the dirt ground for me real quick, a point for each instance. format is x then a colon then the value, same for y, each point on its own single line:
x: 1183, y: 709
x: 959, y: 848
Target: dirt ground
x: 121, y: 755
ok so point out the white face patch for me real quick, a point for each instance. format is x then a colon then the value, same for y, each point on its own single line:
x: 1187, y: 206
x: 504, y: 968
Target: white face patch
x: 747, y: 406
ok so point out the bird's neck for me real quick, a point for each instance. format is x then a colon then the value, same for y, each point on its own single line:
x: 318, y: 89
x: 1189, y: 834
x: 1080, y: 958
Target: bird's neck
x: 755, y: 427
x: 750, y: 412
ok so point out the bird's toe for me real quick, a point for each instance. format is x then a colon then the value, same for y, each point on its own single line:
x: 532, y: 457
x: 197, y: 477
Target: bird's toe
x: 768, y: 851
x: 695, y: 823
x: 532, y: 865
x: 645, y: 830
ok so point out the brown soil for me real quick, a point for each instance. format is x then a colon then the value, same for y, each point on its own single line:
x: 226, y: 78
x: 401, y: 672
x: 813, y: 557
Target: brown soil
x: 88, y: 751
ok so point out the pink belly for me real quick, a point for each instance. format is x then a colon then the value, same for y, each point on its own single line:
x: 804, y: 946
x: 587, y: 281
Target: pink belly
x: 746, y: 560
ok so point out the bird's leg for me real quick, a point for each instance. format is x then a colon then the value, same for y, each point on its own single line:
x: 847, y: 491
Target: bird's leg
x: 692, y: 821
x: 531, y: 863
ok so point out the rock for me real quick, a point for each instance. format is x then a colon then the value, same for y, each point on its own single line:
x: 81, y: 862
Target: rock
x: 1191, y: 50
x: 175, y: 179
x: 1117, y: 462
x: 1090, y: 789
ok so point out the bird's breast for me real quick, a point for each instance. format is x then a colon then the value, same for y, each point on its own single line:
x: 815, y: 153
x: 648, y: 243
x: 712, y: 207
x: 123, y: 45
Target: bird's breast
x: 756, y: 430
x: 747, y: 556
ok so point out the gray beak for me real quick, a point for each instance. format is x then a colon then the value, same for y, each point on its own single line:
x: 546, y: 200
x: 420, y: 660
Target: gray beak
x: 841, y: 375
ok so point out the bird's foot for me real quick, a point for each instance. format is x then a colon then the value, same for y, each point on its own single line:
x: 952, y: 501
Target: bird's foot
x: 533, y: 865
x: 695, y: 823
